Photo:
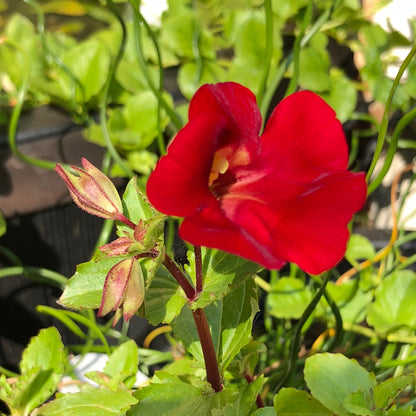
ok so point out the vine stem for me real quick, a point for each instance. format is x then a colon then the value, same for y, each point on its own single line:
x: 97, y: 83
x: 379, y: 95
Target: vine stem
x: 198, y: 269
x: 210, y: 357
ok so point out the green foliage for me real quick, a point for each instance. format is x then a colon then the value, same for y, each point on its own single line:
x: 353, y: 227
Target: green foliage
x: 41, y: 368
x: 3, y: 225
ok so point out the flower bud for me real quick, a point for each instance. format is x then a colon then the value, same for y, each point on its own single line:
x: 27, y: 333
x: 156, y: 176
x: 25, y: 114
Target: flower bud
x: 92, y: 191
x: 123, y: 290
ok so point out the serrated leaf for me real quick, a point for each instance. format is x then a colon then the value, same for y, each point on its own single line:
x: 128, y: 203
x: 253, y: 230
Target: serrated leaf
x: 290, y: 401
x: 386, y: 392
x: 85, y: 288
x: 222, y: 272
x: 170, y: 395
x: 288, y: 298
x: 245, y: 401
x: 230, y: 321
x: 164, y: 298
x: 42, y: 366
x: 123, y: 360
x: 90, y: 401
x: 393, y: 306
x: 333, y: 377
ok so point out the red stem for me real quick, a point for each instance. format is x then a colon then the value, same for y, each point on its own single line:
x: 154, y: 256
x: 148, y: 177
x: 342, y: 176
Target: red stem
x: 125, y: 220
x: 198, y: 269
x: 210, y: 357
x: 177, y: 273
x: 259, y: 400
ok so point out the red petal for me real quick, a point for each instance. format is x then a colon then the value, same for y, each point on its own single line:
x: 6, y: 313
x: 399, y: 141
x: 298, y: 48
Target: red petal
x: 303, y: 138
x: 179, y: 184
x: 210, y: 228
x: 235, y: 102
x: 313, y: 233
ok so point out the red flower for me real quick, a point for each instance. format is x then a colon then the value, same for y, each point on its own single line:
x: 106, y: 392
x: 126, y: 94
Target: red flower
x: 283, y: 196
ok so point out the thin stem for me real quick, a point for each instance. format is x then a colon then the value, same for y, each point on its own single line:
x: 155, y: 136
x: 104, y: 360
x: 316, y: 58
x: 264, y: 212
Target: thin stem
x: 210, y: 357
x: 125, y: 220
x: 198, y: 269
x: 36, y: 274
x: 385, y: 120
x: 269, y: 50
x: 178, y: 275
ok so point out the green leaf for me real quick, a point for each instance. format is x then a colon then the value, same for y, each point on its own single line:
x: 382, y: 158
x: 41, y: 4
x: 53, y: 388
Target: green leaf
x: 342, y: 96
x: 386, y: 392
x: 265, y: 411
x: 290, y: 401
x: 90, y: 401
x: 230, y: 321
x: 164, y: 298
x: 360, y: 403
x: 245, y: 401
x: 85, y: 288
x: 288, y: 298
x: 170, y: 395
x: 3, y: 225
x: 333, y: 377
x: 124, y: 360
x: 42, y: 366
x: 314, y: 66
x: 393, y: 307
x: 222, y: 272
x: 359, y: 248
x: 89, y: 63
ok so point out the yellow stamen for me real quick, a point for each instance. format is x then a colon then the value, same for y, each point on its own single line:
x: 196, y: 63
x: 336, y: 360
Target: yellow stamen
x: 219, y: 166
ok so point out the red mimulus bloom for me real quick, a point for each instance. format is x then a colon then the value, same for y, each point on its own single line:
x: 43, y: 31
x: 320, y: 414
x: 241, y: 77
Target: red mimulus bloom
x: 284, y: 196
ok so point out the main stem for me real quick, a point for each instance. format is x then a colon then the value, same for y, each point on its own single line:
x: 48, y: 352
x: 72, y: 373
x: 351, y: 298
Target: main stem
x: 210, y: 357
x: 200, y: 319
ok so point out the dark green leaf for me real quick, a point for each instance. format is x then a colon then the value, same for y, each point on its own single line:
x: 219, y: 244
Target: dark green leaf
x: 230, y: 321
x: 222, y: 272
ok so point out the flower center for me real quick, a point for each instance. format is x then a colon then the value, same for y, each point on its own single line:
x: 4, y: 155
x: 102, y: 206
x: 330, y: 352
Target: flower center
x: 219, y: 166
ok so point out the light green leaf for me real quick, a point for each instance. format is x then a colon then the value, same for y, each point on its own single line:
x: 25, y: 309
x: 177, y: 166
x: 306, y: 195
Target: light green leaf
x: 359, y: 248
x: 3, y: 225
x: 85, y: 288
x: 290, y: 401
x: 124, y: 360
x: 386, y: 392
x: 90, y: 401
x: 89, y: 63
x: 393, y: 307
x: 333, y: 377
x: 288, y: 298
x: 222, y: 272
x: 314, y: 66
x: 265, y: 411
x: 42, y: 366
x: 360, y: 403
x: 342, y: 96
x: 136, y: 207
x: 170, y: 395
x: 230, y: 321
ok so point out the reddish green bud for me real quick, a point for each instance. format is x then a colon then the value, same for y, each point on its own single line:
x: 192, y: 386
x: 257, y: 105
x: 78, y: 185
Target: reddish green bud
x: 123, y: 290
x: 92, y: 191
